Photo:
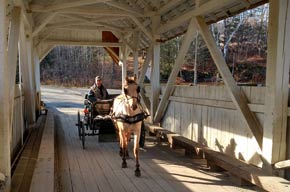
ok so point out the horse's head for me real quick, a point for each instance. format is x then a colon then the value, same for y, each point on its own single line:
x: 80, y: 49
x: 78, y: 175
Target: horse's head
x: 131, y: 90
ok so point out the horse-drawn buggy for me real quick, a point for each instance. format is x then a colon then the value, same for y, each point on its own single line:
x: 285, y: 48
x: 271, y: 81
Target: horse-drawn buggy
x: 96, y: 119
x: 123, y: 114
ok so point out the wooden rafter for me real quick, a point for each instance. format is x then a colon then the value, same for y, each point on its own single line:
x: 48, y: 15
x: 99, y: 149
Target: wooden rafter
x: 77, y: 43
x: 141, y: 26
x: 169, y: 6
x: 203, y: 9
x: 246, y: 3
x: 145, y: 23
x: 198, y: 3
x: 91, y: 20
x: 96, y: 22
x: 122, y: 39
x: 117, y: 28
x: 64, y: 23
x: 82, y: 27
x: 90, y: 11
x: 136, y: 12
x: 146, y: 5
x: 43, y: 24
x: 43, y: 36
x: 54, y: 7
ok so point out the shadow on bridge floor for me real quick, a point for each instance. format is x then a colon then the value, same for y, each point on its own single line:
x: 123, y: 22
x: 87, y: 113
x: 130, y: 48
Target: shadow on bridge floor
x: 98, y: 167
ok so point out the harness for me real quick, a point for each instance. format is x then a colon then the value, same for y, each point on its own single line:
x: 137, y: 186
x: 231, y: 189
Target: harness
x: 128, y: 118
x: 131, y: 119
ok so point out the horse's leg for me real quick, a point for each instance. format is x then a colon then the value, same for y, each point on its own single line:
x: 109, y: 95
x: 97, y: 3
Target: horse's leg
x: 128, y: 136
x: 124, y: 148
x: 121, y: 150
x: 120, y: 143
x: 118, y: 133
x: 136, y: 151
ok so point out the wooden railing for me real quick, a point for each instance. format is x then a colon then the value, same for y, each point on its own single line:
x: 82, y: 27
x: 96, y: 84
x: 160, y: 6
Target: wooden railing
x: 207, y: 115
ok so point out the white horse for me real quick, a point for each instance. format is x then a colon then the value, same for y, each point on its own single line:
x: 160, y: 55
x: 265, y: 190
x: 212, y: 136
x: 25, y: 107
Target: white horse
x: 128, y: 115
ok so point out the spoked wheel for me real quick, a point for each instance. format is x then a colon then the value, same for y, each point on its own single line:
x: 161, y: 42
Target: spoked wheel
x: 79, y: 124
x: 83, y: 134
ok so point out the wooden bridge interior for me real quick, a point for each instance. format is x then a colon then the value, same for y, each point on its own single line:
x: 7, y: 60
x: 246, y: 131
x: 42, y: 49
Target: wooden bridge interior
x: 254, y: 121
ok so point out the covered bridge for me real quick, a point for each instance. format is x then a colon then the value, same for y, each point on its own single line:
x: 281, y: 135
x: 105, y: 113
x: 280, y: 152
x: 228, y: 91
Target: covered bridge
x: 252, y: 121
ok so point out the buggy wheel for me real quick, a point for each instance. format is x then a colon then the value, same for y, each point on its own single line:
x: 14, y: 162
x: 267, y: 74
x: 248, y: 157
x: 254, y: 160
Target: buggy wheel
x: 79, y: 124
x: 83, y: 134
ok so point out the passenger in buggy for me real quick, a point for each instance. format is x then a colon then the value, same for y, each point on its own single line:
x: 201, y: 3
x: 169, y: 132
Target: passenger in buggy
x: 97, y: 91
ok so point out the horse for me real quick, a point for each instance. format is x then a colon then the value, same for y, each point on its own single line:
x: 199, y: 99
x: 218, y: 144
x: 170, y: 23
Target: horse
x: 128, y: 114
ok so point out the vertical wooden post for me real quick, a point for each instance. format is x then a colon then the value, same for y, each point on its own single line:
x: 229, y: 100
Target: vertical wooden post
x: 22, y: 103
x: 26, y: 70
x: 277, y: 81
x: 195, y: 59
x: 135, y: 51
x: 12, y: 57
x: 145, y: 65
x: 32, y: 73
x: 5, y: 153
x: 187, y: 39
x: 123, y: 58
x: 155, y: 73
x: 37, y: 79
x: 13, y: 46
x: 145, y: 100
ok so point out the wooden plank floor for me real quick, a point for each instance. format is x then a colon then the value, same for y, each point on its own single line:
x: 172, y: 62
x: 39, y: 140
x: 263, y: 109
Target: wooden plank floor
x: 22, y: 175
x: 98, y: 168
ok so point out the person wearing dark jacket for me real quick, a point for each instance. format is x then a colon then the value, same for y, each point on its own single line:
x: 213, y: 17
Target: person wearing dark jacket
x: 97, y: 91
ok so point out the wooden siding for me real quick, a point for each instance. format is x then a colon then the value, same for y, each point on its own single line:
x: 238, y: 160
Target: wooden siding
x: 207, y: 115
x: 18, y: 121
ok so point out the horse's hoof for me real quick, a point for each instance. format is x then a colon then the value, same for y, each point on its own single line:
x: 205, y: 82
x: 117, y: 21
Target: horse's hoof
x: 124, y: 165
x: 137, y: 173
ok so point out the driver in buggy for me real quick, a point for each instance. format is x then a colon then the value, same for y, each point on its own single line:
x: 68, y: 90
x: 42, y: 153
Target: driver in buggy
x: 97, y: 91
